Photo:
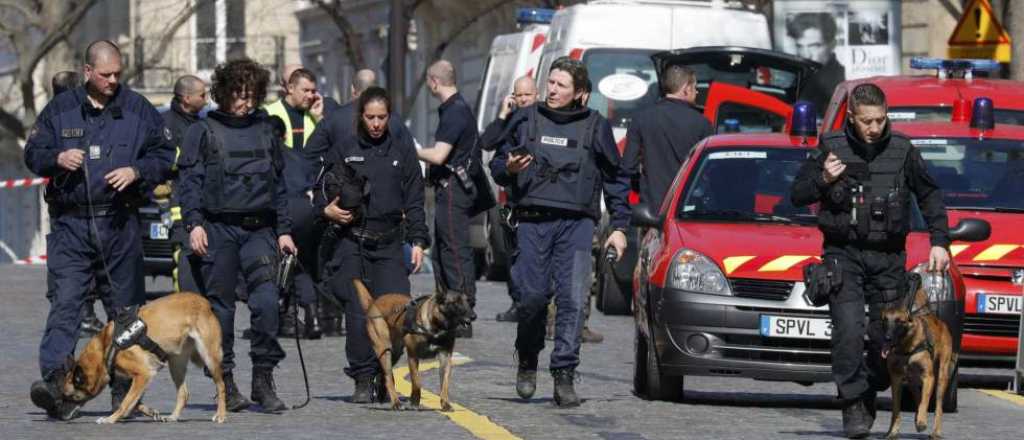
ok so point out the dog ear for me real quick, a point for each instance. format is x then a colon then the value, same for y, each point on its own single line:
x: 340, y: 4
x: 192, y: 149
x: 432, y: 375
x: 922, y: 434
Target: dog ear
x: 78, y: 377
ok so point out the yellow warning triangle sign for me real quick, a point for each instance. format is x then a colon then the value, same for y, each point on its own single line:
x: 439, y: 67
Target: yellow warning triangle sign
x: 978, y: 27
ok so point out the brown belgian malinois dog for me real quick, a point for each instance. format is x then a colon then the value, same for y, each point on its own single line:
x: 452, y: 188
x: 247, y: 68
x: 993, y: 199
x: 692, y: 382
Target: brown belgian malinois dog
x: 424, y: 327
x: 183, y: 326
x: 918, y: 346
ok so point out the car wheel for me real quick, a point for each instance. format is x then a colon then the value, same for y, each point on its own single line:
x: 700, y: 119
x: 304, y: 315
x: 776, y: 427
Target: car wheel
x: 639, y: 365
x: 656, y: 385
x: 495, y: 255
x: 610, y: 297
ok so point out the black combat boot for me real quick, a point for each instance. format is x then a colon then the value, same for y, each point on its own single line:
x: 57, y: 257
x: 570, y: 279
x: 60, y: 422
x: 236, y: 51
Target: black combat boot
x: 855, y: 419
x: 312, y: 314
x: 119, y: 387
x: 234, y: 398
x: 46, y: 393
x: 870, y: 410
x: 565, y: 391
x: 287, y: 321
x: 510, y: 315
x: 364, y: 390
x: 263, y: 390
x: 526, y: 375
x: 91, y: 324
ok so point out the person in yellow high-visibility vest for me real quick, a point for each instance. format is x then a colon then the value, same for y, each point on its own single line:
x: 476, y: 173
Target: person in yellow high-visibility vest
x: 299, y: 110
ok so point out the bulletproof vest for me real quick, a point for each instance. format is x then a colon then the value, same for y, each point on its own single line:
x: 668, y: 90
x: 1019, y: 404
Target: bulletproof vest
x: 240, y: 172
x: 871, y: 202
x: 564, y: 174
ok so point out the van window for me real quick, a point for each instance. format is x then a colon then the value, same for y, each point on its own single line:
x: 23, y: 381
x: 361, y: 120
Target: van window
x: 624, y: 81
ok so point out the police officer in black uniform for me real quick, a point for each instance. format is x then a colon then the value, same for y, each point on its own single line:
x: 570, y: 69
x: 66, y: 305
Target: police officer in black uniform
x: 103, y: 146
x: 558, y: 157
x: 236, y: 214
x: 370, y: 247
x: 865, y: 178
x: 454, y: 160
x: 189, y: 99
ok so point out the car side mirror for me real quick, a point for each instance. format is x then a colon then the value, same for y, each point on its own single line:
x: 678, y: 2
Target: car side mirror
x: 971, y: 229
x: 644, y: 217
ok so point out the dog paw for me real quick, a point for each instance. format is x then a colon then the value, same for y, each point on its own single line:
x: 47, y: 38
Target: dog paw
x: 920, y: 426
x: 446, y: 407
x: 168, y: 419
x: 219, y: 418
x: 105, y: 420
x: 893, y: 435
x: 935, y: 436
x: 397, y: 406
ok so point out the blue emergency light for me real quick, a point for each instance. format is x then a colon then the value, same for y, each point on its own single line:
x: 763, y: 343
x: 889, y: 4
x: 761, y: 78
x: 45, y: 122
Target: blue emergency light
x: 804, y: 121
x: 534, y: 15
x: 731, y: 125
x: 944, y: 66
x: 983, y: 114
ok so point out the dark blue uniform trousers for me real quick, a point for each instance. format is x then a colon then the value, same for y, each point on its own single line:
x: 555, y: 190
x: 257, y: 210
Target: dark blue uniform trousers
x: 253, y: 253
x: 75, y: 251
x: 870, y: 277
x: 554, y: 261
x: 384, y: 271
x: 307, y: 233
x: 453, y: 252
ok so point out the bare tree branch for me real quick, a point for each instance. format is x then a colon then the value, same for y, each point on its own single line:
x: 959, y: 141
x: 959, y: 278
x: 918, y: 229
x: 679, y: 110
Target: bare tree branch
x: 165, y: 39
x: 410, y: 99
x: 29, y: 15
x: 353, y: 42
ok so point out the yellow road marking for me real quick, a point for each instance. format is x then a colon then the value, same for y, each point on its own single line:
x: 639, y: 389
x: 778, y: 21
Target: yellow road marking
x: 731, y: 263
x: 783, y: 263
x: 957, y: 248
x: 480, y: 426
x: 1005, y: 395
x: 996, y: 252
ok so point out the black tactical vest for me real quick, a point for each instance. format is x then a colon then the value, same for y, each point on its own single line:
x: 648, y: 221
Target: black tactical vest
x: 872, y: 207
x: 240, y: 173
x: 564, y: 173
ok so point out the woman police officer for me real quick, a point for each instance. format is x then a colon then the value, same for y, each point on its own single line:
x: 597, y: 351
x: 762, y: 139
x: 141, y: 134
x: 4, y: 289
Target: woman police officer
x: 235, y: 210
x: 372, y: 236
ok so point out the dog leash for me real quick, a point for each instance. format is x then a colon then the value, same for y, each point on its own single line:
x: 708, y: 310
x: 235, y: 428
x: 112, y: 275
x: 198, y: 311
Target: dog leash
x: 287, y: 265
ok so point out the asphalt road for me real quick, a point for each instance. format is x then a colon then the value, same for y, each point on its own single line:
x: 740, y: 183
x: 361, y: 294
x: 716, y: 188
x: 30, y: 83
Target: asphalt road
x: 715, y: 408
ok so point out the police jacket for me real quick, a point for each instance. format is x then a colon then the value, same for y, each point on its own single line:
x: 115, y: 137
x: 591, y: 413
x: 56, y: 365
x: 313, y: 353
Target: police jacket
x: 338, y: 125
x: 177, y: 121
x: 395, y: 183
x: 127, y: 132
x: 574, y: 158
x: 494, y: 134
x: 659, y: 140
x: 870, y: 203
x: 232, y: 165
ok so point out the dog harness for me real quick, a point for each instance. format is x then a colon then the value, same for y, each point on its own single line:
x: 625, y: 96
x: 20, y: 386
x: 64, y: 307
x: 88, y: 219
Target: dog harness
x: 927, y: 344
x: 129, y: 332
x: 412, y: 326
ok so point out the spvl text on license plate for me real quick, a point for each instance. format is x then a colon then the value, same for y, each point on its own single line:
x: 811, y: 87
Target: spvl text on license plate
x: 158, y: 231
x: 796, y: 327
x: 998, y: 304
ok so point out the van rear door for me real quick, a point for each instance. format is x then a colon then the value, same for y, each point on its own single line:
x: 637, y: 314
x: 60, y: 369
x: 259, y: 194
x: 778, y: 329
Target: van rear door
x: 740, y: 88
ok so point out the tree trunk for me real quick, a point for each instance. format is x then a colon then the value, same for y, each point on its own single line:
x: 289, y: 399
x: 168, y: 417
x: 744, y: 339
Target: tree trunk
x: 1013, y: 19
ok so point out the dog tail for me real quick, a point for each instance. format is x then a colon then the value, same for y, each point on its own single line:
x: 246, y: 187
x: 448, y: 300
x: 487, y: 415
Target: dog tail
x: 364, y: 294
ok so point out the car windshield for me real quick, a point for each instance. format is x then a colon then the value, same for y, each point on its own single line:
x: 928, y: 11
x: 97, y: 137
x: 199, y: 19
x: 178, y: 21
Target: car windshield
x: 983, y: 174
x: 624, y: 81
x: 745, y: 185
x: 941, y: 114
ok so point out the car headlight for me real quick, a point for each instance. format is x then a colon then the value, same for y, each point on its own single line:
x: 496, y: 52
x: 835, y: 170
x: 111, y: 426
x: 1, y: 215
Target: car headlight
x: 938, y: 286
x: 694, y: 272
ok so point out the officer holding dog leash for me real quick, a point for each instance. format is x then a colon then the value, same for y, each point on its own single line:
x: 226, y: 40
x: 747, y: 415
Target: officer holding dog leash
x: 103, y: 146
x: 864, y: 178
x: 371, y: 193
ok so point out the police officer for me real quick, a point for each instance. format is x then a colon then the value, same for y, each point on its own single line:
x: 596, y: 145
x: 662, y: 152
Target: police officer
x: 864, y: 178
x: 233, y: 201
x: 524, y: 94
x: 453, y: 161
x: 299, y: 110
x: 660, y: 137
x: 337, y: 126
x: 189, y: 99
x: 102, y: 146
x: 371, y: 240
x: 556, y: 160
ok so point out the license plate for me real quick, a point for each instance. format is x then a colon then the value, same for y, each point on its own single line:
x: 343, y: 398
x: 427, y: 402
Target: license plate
x: 796, y: 327
x: 158, y: 231
x: 998, y: 304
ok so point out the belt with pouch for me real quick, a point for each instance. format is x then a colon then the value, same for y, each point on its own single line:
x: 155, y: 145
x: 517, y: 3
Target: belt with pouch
x: 104, y: 210
x: 244, y: 220
x: 368, y: 236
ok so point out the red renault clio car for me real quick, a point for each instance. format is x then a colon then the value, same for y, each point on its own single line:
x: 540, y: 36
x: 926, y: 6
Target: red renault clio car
x: 718, y: 290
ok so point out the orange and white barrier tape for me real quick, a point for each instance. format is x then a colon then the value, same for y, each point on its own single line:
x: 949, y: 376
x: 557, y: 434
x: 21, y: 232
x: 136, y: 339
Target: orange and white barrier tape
x: 16, y: 183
